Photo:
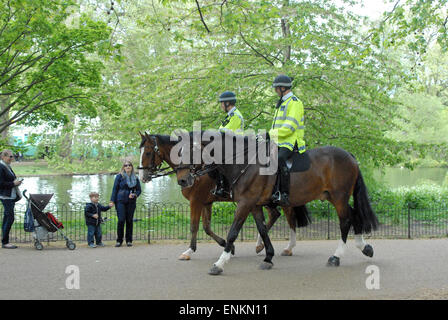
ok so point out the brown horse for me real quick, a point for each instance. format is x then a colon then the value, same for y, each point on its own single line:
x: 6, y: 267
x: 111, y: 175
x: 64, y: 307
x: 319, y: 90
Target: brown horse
x: 156, y: 149
x: 334, y: 175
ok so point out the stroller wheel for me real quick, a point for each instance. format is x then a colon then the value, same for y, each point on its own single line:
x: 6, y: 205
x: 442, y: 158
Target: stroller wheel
x: 71, y: 245
x: 38, y: 245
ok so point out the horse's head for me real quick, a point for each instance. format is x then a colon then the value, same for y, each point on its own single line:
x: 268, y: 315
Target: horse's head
x: 150, y: 157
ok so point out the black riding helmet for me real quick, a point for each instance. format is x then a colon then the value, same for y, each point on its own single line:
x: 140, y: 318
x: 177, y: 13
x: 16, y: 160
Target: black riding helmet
x: 282, y: 81
x: 228, y: 97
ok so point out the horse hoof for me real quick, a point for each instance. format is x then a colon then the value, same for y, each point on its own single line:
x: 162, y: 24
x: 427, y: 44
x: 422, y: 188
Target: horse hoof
x: 214, y: 271
x: 232, y: 251
x: 368, y: 250
x: 333, y: 261
x: 259, y: 248
x: 286, y: 253
x: 266, y: 265
x: 184, y: 257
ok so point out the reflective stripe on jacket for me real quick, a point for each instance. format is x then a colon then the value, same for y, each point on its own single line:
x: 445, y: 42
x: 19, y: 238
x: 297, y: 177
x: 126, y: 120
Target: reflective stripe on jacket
x: 233, y: 121
x: 288, y: 127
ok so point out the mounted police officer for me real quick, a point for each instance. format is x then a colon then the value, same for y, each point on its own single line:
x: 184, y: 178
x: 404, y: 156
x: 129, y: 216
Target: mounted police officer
x: 233, y: 121
x: 287, y: 131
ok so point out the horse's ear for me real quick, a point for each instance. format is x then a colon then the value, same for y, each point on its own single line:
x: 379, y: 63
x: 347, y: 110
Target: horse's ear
x: 141, y: 135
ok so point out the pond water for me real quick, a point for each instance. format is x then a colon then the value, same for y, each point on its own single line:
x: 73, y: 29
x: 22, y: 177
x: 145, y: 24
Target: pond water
x: 397, y: 177
x: 75, y: 189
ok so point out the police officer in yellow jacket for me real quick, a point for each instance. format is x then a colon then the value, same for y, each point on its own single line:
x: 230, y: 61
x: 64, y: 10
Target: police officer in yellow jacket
x: 287, y: 131
x: 233, y: 121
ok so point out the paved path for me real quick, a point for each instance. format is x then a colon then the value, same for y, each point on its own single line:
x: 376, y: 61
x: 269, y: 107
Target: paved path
x: 409, y: 269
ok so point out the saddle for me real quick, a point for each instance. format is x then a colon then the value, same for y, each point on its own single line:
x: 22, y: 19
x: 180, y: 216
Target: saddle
x: 299, y: 162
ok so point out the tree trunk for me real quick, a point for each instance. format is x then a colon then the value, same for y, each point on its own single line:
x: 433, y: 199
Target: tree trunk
x: 4, y: 101
x: 65, y: 150
x: 286, y: 33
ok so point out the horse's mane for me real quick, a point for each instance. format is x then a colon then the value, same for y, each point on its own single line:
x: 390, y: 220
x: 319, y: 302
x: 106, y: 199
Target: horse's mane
x: 163, y: 139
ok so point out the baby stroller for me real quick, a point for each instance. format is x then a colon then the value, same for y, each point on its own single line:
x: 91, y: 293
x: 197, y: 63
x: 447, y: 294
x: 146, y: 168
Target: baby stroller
x: 44, y: 223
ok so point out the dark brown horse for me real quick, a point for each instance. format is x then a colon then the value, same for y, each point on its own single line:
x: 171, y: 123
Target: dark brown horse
x: 334, y: 175
x: 156, y: 149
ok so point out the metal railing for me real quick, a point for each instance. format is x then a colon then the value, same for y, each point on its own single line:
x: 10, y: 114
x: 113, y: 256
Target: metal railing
x: 171, y: 221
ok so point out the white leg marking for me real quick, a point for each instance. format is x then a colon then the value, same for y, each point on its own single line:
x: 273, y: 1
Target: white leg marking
x: 340, y: 249
x: 359, y: 241
x: 292, y: 239
x: 189, y: 252
x: 259, y: 240
x: 140, y: 171
x: 223, y: 259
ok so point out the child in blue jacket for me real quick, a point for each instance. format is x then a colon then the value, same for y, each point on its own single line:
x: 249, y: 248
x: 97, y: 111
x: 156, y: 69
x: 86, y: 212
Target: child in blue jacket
x: 92, y: 213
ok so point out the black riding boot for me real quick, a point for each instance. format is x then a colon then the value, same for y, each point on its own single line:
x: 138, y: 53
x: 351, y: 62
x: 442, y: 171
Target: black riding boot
x: 281, y: 196
x: 220, y: 187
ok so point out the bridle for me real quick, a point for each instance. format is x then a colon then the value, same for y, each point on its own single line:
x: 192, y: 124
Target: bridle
x: 155, y: 170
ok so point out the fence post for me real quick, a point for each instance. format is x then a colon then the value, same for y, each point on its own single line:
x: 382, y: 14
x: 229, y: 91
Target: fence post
x: 409, y: 221
x: 328, y: 221
x: 149, y: 224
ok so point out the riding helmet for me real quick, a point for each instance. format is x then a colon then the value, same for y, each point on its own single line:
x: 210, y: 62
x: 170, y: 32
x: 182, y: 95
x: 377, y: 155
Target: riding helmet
x: 228, y: 96
x: 282, y: 81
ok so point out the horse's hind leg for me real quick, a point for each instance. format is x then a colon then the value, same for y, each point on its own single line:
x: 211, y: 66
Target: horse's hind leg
x: 273, y: 214
x: 206, y: 219
x: 195, y: 216
x: 343, y: 211
x: 365, y: 248
x: 289, y: 214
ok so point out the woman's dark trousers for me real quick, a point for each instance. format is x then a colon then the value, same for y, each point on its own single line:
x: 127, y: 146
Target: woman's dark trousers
x: 8, y: 219
x: 125, y: 212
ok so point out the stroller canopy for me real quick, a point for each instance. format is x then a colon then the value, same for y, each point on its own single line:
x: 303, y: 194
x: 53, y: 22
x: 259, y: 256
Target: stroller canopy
x: 40, y: 200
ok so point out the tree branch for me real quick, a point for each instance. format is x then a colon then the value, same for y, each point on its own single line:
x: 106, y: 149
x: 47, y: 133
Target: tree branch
x: 202, y: 18
x: 255, y: 50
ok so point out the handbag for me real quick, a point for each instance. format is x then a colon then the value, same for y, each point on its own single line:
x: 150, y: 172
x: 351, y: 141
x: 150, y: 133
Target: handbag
x: 18, y: 194
x: 28, y: 223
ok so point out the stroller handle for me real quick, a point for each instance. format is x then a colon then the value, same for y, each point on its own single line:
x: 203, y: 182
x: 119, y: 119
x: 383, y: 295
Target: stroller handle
x: 24, y: 191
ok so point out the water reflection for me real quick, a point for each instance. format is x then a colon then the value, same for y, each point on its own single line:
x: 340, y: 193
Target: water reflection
x: 75, y: 189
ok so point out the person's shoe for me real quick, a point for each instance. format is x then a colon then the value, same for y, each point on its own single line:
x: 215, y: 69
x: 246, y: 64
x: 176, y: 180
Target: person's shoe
x: 284, y: 200
x: 9, y: 246
x: 118, y: 244
x: 129, y: 244
x: 92, y: 245
x: 219, y: 192
x: 100, y: 244
x: 280, y: 199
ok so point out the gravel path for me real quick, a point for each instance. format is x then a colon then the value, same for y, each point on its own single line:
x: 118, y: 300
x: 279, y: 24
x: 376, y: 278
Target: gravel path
x: 409, y: 269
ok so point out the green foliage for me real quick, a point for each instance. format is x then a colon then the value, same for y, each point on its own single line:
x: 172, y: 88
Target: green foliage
x: 50, y: 57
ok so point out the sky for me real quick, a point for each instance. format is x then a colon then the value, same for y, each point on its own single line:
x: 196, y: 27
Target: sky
x: 373, y: 8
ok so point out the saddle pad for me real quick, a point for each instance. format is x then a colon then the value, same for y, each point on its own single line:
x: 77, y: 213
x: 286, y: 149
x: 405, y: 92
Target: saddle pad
x: 299, y: 162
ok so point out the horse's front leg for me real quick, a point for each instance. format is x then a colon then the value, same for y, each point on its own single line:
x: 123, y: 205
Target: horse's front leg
x: 195, y: 215
x: 263, y: 231
x: 242, y: 211
x: 273, y: 214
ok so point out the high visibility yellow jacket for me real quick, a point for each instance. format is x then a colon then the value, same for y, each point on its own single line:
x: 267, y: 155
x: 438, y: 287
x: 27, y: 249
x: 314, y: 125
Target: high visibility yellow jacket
x: 233, y: 121
x: 288, y: 126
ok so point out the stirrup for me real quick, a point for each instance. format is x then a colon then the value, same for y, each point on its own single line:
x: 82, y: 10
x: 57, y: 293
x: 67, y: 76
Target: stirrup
x: 276, y: 197
x: 219, y: 192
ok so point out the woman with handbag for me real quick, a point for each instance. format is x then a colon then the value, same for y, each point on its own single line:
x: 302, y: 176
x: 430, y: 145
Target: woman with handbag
x: 124, y: 196
x: 9, y: 195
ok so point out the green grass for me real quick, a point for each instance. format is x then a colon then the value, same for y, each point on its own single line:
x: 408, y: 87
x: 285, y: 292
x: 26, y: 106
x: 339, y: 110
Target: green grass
x: 43, y: 168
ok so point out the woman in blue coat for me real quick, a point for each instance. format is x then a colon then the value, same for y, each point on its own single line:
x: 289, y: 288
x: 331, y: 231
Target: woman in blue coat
x: 124, y: 196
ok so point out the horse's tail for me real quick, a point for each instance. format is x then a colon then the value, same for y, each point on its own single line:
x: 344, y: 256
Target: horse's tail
x: 364, y: 215
x: 302, y: 216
